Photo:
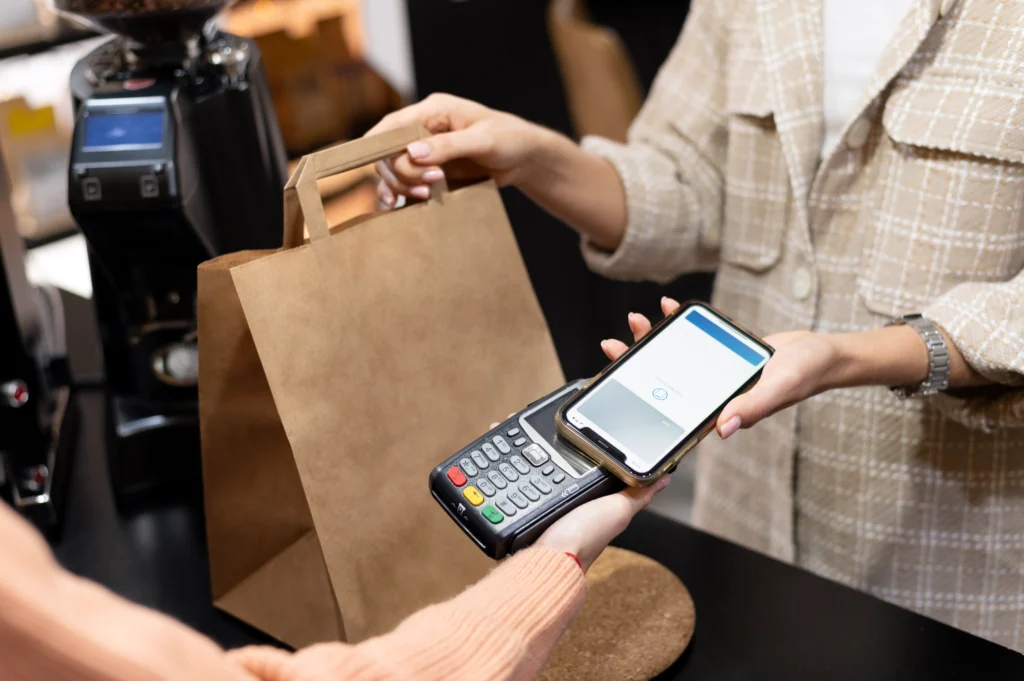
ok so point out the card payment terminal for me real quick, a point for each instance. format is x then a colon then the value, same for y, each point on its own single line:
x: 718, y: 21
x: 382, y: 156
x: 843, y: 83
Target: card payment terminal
x: 508, y: 486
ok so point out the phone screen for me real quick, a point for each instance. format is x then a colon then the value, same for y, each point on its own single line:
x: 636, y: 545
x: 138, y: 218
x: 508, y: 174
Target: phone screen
x: 648, y: 405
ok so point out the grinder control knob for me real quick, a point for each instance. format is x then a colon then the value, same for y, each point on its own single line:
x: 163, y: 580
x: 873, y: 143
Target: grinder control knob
x: 15, y: 393
x: 177, y: 364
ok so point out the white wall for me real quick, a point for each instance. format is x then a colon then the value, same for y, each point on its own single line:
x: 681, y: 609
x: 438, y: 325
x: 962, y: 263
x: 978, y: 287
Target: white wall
x: 16, y: 14
x: 387, y: 46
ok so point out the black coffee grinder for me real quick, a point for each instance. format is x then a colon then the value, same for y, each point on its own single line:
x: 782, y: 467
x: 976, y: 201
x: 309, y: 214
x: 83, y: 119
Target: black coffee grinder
x: 37, y: 408
x: 176, y: 158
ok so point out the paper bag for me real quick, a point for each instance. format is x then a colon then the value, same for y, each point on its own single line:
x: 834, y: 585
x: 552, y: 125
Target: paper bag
x: 334, y: 375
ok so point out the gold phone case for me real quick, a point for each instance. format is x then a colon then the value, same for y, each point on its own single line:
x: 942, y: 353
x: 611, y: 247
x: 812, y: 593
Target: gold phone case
x: 614, y: 466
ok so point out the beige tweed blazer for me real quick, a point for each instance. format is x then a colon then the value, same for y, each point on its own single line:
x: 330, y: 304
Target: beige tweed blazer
x: 919, y: 209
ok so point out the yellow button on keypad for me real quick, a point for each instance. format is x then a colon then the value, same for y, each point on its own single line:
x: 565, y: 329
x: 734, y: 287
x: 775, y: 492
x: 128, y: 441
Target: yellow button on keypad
x: 473, y: 495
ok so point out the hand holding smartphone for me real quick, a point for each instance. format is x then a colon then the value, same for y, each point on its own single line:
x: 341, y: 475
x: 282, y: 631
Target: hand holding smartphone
x: 648, y: 408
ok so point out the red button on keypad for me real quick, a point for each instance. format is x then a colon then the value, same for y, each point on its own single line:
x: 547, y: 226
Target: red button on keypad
x: 457, y: 477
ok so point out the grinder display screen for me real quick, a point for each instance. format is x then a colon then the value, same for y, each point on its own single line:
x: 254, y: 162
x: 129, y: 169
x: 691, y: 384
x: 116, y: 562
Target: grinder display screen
x: 122, y: 131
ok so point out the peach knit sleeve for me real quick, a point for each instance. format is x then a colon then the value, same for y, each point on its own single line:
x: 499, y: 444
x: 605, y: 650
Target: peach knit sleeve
x: 503, y: 627
x: 56, y: 625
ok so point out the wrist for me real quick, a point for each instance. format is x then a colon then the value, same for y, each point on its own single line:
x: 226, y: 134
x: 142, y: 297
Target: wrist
x: 562, y: 540
x: 891, y: 356
x: 542, y: 158
x: 576, y: 559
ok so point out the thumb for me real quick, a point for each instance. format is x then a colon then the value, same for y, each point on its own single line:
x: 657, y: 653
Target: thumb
x: 640, y: 498
x: 742, y: 412
x: 449, y: 146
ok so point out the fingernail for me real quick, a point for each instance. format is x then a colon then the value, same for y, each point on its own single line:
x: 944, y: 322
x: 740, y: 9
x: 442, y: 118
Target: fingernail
x: 418, y: 149
x: 420, y: 192
x: 731, y: 426
x: 386, y: 197
x: 663, y: 483
x: 434, y: 175
x: 631, y: 317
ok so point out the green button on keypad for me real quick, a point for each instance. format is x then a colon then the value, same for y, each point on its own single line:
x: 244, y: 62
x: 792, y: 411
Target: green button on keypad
x: 492, y: 514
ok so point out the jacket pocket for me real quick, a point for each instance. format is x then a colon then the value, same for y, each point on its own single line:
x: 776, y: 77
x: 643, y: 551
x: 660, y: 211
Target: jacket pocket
x: 948, y: 202
x: 757, y: 192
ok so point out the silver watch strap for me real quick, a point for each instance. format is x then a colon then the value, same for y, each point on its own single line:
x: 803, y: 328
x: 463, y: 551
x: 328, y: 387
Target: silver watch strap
x: 938, y: 357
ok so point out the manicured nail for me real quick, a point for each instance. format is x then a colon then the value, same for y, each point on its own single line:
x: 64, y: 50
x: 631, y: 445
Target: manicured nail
x: 731, y: 426
x: 418, y: 149
x: 386, y: 197
x: 420, y: 192
x: 433, y: 175
x: 663, y: 483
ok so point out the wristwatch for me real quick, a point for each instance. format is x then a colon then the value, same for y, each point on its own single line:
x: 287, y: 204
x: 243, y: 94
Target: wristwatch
x: 938, y: 357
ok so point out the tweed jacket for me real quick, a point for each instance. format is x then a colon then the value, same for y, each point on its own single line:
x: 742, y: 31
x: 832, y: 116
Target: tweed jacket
x: 920, y: 208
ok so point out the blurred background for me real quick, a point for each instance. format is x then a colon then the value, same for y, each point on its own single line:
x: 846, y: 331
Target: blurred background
x: 325, y: 71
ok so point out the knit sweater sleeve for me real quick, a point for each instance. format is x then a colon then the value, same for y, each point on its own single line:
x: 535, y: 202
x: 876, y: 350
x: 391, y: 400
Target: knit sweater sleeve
x: 502, y: 628
x: 54, y: 625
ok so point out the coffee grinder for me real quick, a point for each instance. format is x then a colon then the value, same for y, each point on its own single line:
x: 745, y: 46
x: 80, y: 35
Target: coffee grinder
x: 176, y: 158
x: 37, y: 410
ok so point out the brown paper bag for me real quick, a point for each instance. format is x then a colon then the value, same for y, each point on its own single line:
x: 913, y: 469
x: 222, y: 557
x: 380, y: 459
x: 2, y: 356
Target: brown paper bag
x: 334, y: 375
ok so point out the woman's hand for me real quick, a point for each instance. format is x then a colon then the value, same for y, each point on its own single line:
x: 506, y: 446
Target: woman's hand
x: 804, y: 364
x: 586, y: 531
x: 469, y: 139
x: 473, y: 142
x: 807, y: 363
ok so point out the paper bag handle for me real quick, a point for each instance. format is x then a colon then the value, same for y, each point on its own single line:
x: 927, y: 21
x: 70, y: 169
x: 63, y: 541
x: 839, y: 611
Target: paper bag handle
x: 302, y: 202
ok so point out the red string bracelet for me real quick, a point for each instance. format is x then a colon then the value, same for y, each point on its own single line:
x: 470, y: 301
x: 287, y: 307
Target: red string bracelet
x: 573, y: 556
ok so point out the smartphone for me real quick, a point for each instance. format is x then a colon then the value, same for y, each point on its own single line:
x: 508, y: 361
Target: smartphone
x: 510, y: 484
x: 647, y: 409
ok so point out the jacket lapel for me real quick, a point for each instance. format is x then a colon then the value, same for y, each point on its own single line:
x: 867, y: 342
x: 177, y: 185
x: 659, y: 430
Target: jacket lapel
x: 908, y: 38
x: 790, y: 33
x: 791, y: 36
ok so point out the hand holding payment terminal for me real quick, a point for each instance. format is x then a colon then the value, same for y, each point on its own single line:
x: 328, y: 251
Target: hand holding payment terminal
x: 511, y: 484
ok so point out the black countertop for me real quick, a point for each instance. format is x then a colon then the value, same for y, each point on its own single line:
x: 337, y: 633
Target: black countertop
x: 756, y: 618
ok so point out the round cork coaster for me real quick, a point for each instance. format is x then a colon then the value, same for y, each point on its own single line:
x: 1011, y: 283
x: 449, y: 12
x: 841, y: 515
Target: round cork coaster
x: 637, y: 621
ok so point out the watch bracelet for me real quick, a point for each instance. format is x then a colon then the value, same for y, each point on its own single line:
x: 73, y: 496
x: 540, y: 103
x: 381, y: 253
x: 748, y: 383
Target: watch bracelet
x: 937, y: 380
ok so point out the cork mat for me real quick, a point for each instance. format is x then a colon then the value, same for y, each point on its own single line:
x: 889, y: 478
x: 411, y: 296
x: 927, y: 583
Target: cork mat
x: 637, y: 621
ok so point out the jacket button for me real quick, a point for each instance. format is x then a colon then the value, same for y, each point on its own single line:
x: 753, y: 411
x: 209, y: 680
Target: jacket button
x: 801, y: 283
x: 858, y: 133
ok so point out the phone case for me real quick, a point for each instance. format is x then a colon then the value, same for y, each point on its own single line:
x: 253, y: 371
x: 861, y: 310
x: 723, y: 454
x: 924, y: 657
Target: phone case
x: 612, y: 464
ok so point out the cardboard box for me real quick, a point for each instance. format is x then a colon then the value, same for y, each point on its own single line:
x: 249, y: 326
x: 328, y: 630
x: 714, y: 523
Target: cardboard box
x: 36, y: 153
x: 323, y: 90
